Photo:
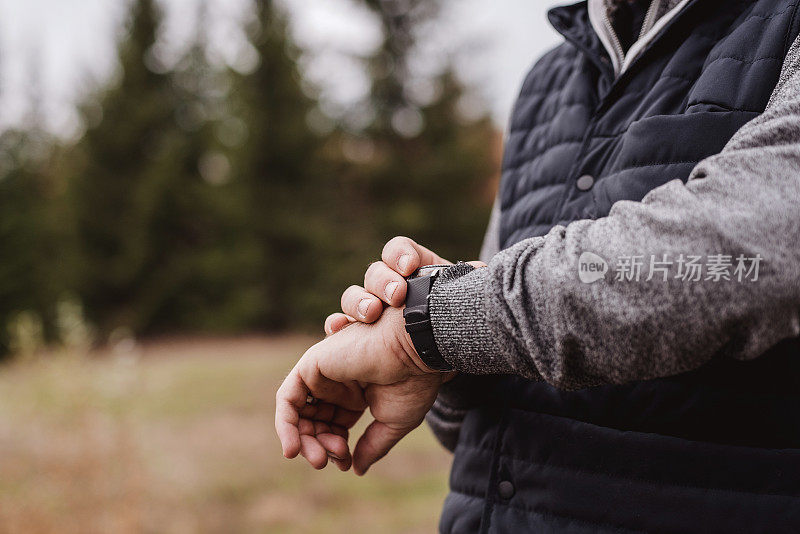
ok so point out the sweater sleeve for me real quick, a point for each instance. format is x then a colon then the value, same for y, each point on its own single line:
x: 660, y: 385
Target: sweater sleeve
x: 738, y: 217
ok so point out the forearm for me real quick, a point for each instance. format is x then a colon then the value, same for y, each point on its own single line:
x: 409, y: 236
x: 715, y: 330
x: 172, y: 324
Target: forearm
x: 529, y: 314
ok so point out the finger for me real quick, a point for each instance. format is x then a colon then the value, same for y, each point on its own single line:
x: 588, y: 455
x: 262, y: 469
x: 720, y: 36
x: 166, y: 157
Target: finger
x: 322, y: 427
x: 334, y: 444
x: 406, y: 256
x: 330, y: 413
x: 385, y: 283
x: 336, y: 321
x: 332, y: 439
x: 313, y: 451
x: 359, y: 303
x: 337, y: 450
x: 348, y: 395
x: 306, y: 427
x: 340, y: 431
x: 320, y: 411
x: 373, y: 445
x: 477, y: 264
x: 289, y: 399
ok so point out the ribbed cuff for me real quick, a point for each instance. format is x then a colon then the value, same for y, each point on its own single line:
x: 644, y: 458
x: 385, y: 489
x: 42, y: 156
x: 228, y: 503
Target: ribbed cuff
x: 458, y: 316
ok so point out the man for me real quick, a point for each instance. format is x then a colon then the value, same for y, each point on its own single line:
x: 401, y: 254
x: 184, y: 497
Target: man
x: 625, y: 369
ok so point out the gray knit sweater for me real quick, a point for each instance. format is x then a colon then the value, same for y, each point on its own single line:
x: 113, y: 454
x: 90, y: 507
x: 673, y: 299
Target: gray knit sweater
x: 528, y: 311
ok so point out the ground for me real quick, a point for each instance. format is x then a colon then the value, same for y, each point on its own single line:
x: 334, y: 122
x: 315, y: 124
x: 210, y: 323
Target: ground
x: 176, y: 437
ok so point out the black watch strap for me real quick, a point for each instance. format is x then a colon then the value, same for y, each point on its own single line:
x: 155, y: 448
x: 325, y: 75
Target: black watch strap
x: 418, y: 321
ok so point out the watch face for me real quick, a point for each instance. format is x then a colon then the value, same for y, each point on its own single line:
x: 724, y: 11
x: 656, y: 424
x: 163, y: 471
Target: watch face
x: 429, y: 270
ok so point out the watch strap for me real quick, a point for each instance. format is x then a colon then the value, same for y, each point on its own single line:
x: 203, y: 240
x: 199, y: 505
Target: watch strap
x: 418, y: 322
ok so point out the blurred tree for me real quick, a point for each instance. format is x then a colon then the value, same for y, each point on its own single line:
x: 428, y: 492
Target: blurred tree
x: 116, y: 187
x: 281, y: 158
x: 214, y: 198
x: 34, y: 223
x: 31, y: 232
x: 164, y: 223
x: 434, y: 158
x: 205, y: 273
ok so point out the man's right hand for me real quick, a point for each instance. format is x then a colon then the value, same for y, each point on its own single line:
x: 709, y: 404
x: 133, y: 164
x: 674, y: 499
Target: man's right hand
x: 384, y: 283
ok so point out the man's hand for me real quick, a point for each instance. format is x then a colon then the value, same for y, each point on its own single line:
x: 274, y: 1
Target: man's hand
x: 398, y: 401
x: 372, y: 365
x: 384, y: 282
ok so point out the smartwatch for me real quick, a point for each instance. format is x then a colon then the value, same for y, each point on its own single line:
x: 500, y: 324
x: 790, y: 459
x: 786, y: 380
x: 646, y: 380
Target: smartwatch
x: 418, y: 317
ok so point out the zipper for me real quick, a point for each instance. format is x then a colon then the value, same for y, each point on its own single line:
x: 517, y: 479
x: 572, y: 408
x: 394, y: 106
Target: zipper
x: 649, y: 21
x: 650, y: 18
x: 614, y: 38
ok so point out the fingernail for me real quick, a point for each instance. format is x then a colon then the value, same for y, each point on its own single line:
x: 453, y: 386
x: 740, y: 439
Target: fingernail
x: 402, y: 262
x: 391, y: 287
x: 334, y: 456
x: 363, y: 306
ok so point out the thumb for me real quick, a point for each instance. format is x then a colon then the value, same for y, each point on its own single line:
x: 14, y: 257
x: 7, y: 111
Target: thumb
x: 373, y: 445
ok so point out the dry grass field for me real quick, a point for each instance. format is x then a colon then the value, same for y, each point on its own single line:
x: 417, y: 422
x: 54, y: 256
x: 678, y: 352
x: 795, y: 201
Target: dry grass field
x: 176, y: 437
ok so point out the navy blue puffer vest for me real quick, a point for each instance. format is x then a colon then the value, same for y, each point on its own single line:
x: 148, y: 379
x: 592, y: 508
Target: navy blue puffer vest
x: 714, y: 450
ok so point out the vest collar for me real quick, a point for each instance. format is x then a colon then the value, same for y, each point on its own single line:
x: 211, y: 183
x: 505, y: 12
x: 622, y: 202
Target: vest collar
x: 572, y: 21
x: 586, y: 25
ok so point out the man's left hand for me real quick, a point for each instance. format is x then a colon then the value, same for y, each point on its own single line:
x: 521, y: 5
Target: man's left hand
x: 364, y: 365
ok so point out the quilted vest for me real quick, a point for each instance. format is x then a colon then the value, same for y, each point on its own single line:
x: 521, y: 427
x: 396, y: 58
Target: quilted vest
x: 713, y: 450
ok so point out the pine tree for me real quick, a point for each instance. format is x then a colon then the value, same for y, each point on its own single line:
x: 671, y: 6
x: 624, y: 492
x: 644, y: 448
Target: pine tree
x: 432, y: 165
x: 34, y: 227
x: 208, y: 260
x: 116, y: 188
x: 290, y: 187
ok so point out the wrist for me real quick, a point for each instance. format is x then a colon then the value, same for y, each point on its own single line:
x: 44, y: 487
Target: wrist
x: 418, y: 318
x: 407, y: 347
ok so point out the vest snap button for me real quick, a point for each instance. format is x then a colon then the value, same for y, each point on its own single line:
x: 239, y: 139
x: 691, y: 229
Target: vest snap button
x: 505, y: 489
x: 585, y: 182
